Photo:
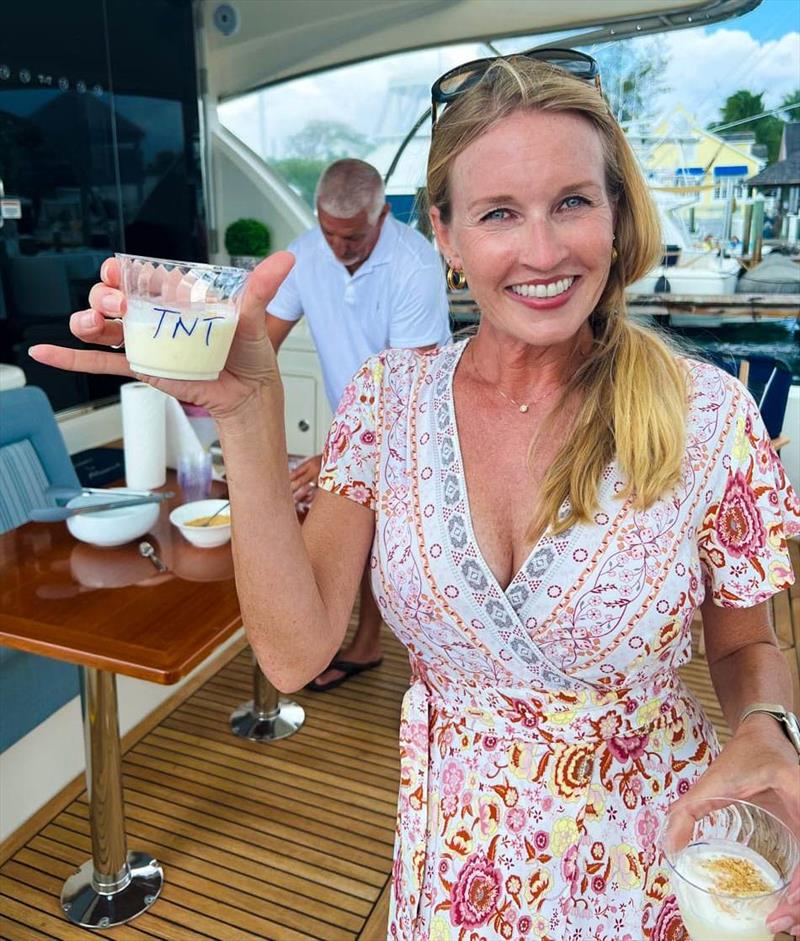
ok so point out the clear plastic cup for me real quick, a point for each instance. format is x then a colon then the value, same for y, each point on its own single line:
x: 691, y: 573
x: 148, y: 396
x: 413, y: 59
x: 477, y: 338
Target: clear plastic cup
x: 181, y: 315
x: 729, y: 868
x: 195, y: 475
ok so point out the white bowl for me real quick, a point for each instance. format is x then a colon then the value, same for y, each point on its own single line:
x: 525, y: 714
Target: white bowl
x: 204, y: 536
x: 111, y: 527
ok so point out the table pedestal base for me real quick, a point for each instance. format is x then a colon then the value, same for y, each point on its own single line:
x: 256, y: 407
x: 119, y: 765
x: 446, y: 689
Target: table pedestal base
x: 85, y: 905
x: 115, y: 885
x: 267, y: 717
x: 287, y: 719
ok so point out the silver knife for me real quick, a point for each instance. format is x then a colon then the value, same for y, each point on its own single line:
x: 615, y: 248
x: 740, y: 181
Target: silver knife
x: 54, y: 514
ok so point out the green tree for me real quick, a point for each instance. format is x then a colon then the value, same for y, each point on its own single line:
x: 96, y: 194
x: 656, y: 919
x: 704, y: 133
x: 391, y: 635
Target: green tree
x: 741, y: 104
x: 312, y: 148
x: 632, y: 75
x: 793, y: 98
x: 301, y: 173
x: 328, y: 140
x: 744, y: 104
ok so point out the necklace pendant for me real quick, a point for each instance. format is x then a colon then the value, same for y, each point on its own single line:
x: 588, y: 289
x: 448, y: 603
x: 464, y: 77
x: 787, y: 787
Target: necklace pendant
x: 523, y: 407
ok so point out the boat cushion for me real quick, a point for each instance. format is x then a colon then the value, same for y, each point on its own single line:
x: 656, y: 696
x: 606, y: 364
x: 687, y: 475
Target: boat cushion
x: 23, y: 483
x: 776, y: 274
x: 32, y: 688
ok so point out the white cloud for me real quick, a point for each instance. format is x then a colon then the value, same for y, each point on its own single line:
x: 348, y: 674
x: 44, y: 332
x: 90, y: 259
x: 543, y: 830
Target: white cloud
x: 703, y: 70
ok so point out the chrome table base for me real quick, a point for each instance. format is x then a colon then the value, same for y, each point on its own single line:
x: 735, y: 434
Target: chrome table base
x: 267, y: 717
x: 285, y: 721
x: 115, y: 885
x: 85, y: 903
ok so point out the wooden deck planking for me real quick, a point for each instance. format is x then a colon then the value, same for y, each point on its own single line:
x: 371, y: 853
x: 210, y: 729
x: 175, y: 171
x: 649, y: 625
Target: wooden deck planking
x: 289, y: 841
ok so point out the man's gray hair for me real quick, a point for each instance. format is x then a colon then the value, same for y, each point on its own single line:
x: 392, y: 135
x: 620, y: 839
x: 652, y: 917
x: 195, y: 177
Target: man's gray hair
x: 349, y: 186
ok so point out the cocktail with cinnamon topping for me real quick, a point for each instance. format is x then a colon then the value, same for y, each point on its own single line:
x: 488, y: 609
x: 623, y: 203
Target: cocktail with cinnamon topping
x: 729, y: 869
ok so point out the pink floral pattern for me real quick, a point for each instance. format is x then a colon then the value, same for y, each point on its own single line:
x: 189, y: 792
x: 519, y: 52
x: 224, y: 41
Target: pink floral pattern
x: 669, y: 925
x: 476, y: 891
x: 546, y: 729
x: 739, y: 527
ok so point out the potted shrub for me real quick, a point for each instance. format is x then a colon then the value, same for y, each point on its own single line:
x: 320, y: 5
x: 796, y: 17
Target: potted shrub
x: 247, y: 241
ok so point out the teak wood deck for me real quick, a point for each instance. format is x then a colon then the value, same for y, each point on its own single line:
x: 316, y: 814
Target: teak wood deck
x: 286, y: 841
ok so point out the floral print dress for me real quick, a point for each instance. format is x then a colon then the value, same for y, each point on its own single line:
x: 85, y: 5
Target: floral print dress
x: 546, y: 729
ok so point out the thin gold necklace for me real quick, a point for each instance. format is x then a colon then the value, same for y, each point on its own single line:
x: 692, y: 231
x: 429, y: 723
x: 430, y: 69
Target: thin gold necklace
x: 522, y: 406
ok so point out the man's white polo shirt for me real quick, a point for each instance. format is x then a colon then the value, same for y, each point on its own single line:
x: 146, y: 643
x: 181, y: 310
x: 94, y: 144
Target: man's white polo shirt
x: 397, y: 298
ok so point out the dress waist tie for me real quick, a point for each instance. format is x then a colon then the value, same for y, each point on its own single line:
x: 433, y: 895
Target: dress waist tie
x: 412, y: 813
x: 578, y: 729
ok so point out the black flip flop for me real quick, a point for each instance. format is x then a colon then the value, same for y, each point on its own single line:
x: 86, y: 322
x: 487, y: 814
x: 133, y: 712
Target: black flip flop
x: 348, y: 667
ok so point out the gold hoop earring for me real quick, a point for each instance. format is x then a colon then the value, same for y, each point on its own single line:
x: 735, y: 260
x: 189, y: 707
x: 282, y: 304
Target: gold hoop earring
x: 614, y: 256
x: 456, y: 279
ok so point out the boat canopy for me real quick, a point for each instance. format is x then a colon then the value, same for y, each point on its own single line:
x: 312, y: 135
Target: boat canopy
x: 250, y: 45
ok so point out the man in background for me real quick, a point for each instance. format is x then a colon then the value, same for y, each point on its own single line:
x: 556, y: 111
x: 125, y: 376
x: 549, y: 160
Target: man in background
x: 365, y: 282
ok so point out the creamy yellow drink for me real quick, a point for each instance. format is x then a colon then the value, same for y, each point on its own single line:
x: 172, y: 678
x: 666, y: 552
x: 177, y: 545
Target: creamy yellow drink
x: 725, y: 892
x: 181, y: 315
x: 178, y: 342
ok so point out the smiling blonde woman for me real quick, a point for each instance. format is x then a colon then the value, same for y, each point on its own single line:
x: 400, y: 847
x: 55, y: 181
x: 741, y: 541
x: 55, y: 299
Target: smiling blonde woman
x: 544, y: 508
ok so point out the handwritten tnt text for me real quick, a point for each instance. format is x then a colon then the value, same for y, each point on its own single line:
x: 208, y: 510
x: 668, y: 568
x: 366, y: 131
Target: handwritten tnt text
x: 181, y: 326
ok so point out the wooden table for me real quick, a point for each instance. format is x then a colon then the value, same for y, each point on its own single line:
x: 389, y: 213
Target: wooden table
x: 109, y: 611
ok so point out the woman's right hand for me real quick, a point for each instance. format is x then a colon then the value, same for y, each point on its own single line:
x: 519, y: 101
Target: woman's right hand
x: 251, y: 361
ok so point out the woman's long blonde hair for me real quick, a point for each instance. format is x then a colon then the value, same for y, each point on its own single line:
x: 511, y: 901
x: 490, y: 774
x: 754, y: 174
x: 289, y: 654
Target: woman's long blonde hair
x: 632, y: 387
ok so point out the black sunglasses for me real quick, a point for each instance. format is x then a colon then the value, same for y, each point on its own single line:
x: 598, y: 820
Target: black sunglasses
x: 449, y: 86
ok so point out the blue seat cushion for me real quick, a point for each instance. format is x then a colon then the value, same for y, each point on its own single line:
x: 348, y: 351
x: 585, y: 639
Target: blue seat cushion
x: 23, y: 483
x: 32, y: 688
x: 32, y: 456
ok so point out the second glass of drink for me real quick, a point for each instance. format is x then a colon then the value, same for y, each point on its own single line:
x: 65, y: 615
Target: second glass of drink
x: 730, y: 865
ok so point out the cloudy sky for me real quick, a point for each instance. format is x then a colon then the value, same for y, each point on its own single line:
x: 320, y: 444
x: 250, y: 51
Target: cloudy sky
x: 759, y: 51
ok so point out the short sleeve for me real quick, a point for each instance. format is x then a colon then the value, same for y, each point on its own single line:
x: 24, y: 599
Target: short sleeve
x: 350, y: 457
x: 420, y: 316
x: 287, y: 304
x: 752, y: 512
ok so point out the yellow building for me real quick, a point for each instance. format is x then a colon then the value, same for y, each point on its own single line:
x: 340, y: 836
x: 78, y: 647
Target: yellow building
x: 679, y: 157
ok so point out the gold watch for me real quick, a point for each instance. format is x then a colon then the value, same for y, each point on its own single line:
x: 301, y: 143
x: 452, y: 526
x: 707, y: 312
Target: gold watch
x: 789, y: 721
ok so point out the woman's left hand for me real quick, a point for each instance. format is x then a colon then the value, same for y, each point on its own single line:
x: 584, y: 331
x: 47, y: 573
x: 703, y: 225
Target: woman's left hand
x: 304, y: 479
x: 760, y: 764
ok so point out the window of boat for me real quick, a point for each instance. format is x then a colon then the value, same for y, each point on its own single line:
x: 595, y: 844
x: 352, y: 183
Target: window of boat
x: 298, y: 126
x: 301, y: 125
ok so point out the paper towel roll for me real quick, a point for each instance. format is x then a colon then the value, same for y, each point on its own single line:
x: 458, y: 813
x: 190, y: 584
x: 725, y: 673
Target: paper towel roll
x: 144, y: 435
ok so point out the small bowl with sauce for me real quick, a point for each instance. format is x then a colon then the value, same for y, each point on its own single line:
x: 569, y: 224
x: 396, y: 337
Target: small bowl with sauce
x: 191, y: 517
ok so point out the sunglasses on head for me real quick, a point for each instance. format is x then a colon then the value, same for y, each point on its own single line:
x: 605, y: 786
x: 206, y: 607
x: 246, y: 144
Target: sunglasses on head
x: 455, y: 82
